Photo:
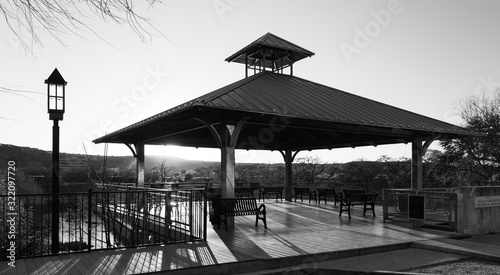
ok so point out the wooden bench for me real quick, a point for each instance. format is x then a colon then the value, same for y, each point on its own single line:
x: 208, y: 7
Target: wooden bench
x: 230, y: 207
x: 271, y: 190
x: 357, y: 197
x: 324, y: 192
x: 299, y: 191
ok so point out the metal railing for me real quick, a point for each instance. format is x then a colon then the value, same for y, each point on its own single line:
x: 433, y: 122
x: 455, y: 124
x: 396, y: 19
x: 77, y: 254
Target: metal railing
x: 440, y: 207
x: 102, y: 220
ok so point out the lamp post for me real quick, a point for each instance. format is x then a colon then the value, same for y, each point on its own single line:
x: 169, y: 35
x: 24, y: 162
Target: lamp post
x: 55, y: 105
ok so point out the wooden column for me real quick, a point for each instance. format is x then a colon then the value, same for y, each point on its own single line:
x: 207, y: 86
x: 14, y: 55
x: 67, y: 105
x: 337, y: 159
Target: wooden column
x: 288, y: 156
x: 226, y: 138
x: 228, y: 162
x: 139, y: 163
x: 416, y: 163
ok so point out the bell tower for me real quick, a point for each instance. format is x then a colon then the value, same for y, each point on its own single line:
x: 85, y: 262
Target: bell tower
x: 269, y: 53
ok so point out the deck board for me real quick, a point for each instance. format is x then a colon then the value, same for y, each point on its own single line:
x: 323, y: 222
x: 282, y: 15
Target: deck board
x: 293, y: 229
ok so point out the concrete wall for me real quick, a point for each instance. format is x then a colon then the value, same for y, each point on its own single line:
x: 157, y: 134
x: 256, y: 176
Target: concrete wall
x: 478, y: 210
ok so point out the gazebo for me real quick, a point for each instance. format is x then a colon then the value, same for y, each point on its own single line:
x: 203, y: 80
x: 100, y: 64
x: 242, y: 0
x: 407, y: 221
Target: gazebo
x: 271, y: 109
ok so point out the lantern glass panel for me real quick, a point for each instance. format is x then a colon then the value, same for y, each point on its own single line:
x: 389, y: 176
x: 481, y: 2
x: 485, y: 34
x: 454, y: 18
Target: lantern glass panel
x: 52, y: 90
x: 59, y: 90
x: 52, y: 103
x: 60, y: 104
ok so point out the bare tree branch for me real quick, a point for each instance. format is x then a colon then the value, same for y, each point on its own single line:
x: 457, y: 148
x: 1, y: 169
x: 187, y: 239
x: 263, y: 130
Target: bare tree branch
x: 72, y: 16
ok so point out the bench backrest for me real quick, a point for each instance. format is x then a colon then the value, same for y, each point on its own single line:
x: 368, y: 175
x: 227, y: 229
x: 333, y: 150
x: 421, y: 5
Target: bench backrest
x: 233, y: 205
x: 273, y: 189
x: 349, y: 192
x: 362, y: 198
x: 244, y: 192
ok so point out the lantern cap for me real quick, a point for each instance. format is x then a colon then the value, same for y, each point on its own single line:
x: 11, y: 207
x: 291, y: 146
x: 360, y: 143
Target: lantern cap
x: 55, y: 78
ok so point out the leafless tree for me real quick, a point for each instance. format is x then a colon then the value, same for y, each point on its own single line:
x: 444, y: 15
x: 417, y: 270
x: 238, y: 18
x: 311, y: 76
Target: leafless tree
x: 29, y: 19
x: 313, y: 170
x: 162, y: 170
x: 397, y: 171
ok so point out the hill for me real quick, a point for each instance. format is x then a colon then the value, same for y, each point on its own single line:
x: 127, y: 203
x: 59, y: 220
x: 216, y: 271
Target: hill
x: 33, y: 159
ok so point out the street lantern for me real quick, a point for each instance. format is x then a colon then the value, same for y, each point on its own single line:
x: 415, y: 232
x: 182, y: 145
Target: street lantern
x: 56, y: 86
x: 55, y: 95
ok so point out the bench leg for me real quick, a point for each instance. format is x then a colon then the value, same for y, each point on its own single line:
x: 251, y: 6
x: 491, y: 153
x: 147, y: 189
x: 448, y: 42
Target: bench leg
x: 313, y: 195
x: 345, y: 207
x: 263, y: 218
x: 372, y: 208
x: 223, y: 221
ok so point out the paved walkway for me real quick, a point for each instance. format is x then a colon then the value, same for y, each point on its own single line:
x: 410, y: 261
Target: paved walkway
x: 299, y: 235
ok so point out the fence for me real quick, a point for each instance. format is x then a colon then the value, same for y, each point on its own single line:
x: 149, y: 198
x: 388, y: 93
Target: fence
x: 102, y: 220
x: 439, y: 207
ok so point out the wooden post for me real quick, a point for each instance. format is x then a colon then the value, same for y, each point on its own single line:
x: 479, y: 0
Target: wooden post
x: 288, y: 175
x: 228, y: 162
x: 416, y: 164
x: 139, y: 163
x: 246, y: 65
x: 288, y: 156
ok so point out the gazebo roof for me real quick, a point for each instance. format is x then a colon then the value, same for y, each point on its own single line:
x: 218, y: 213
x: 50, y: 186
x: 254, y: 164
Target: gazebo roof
x: 285, y: 112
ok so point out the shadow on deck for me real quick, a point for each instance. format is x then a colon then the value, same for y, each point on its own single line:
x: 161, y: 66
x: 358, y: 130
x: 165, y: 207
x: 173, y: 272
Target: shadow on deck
x: 298, y: 233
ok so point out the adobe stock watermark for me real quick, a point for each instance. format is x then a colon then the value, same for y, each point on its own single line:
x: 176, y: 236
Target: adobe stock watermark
x: 123, y: 106
x: 311, y: 264
x: 487, y: 86
x: 224, y: 6
x: 373, y: 28
x: 11, y: 221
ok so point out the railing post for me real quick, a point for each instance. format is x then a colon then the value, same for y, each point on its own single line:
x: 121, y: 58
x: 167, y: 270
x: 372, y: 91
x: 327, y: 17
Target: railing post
x: 205, y: 213
x: 145, y: 216
x: 168, y: 218
x: 191, y: 215
x: 384, y: 205
x: 89, y: 219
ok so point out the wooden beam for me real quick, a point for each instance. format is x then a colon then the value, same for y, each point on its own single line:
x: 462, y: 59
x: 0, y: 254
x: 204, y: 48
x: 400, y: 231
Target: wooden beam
x: 134, y: 153
x: 217, y: 136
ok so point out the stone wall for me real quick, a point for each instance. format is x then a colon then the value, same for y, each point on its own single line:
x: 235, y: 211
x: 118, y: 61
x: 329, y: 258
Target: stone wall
x: 478, y: 210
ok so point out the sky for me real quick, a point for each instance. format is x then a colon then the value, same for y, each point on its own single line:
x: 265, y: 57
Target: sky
x: 422, y: 56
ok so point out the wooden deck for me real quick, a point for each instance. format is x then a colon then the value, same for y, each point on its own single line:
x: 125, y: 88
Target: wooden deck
x: 296, y: 231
